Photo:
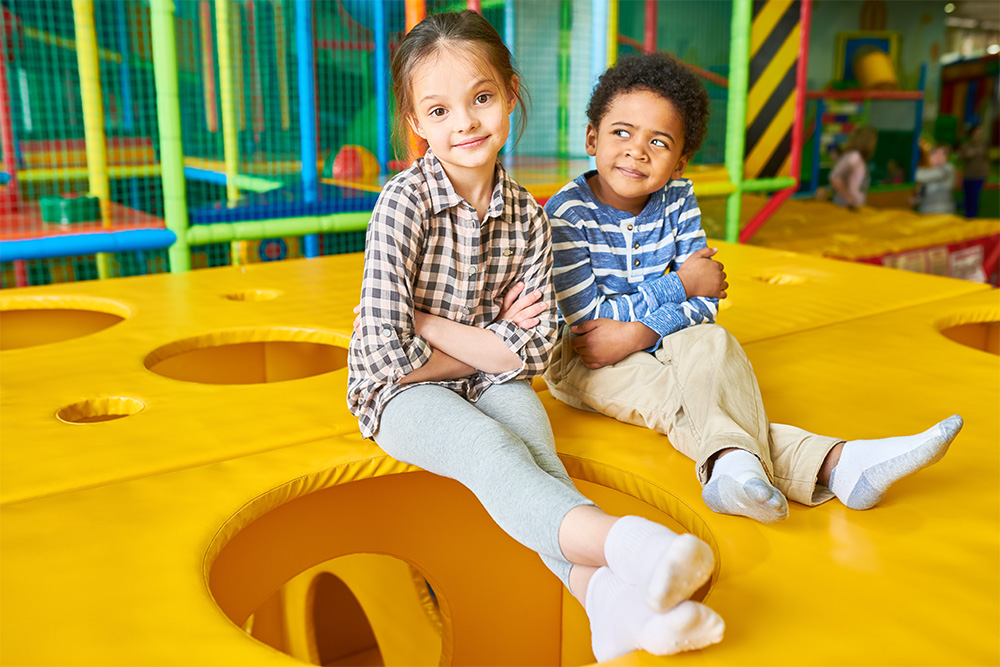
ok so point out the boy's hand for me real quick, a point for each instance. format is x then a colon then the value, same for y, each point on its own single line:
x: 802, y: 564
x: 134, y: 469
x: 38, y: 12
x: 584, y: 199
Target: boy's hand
x: 602, y: 342
x: 703, y: 276
x: 522, y: 309
x: 357, y: 314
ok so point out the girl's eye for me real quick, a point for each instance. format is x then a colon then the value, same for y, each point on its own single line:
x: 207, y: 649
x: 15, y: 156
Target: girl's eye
x: 483, y: 98
x: 437, y: 111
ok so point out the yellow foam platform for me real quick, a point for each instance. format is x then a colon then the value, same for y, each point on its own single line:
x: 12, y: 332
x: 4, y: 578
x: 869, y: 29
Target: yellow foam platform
x: 827, y: 230
x: 147, y: 519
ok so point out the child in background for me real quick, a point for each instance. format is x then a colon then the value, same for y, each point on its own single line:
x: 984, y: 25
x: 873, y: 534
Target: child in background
x: 936, y: 183
x: 974, y: 154
x: 894, y: 174
x: 639, y: 289
x: 457, y: 314
x: 849, y: 177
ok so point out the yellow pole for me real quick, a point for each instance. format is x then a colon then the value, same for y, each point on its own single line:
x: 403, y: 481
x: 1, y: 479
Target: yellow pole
x: 93, y: 115
x: 230, y: 139
x: 612, y: 32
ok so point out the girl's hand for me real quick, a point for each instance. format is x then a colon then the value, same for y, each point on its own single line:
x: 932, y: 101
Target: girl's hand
x: 522, y: 309
x: 703, y: 276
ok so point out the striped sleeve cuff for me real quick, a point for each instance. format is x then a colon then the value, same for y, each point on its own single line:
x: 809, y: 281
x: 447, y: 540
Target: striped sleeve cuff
x: 664, y: 322
x: 663, y: 290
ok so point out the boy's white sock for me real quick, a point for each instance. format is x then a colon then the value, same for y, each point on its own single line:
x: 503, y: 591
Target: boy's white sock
x: 740, y: 486
x: 620, y: 622
x: 867, y: 468
x: 666, y: 567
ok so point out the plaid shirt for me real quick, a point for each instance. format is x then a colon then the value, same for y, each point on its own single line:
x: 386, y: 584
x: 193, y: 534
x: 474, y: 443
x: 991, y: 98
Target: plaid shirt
x: 426, y: 250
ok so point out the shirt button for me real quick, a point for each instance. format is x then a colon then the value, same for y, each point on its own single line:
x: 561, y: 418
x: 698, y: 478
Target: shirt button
x: 472, y: 270
x: 636, y: 262
x: 386, y: 332
x: 636, y: 246
x: 467, y: 310
x: 507, y: 252
x: 629, y: 228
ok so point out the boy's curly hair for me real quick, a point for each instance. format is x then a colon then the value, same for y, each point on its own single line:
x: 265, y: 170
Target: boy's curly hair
x: 661, y: 75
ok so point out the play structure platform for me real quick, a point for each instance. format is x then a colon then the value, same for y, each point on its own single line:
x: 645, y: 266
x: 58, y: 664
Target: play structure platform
x: 182, y: 483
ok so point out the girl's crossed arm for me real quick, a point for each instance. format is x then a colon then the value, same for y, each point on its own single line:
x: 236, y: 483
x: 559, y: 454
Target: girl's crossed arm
x: 517, y: 343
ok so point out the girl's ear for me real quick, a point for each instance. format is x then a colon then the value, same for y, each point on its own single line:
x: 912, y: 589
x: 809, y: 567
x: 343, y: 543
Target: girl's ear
x: 415, y: 126
x: 515, y: 85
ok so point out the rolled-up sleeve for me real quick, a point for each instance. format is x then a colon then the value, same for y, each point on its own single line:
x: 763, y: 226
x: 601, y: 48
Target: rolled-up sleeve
x: 532, y: 345
x: 388, y: 348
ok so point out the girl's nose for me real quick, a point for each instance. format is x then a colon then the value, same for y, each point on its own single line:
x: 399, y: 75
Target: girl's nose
x: 467, y: 122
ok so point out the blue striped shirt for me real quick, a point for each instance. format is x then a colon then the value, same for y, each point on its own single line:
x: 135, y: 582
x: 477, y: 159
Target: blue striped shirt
x: 610, y: 263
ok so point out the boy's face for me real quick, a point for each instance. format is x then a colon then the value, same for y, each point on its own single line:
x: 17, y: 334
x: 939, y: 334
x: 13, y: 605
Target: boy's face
x: 639, y: 147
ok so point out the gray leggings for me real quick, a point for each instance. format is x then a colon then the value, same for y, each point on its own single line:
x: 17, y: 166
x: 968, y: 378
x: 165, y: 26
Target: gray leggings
x: 500, y: 447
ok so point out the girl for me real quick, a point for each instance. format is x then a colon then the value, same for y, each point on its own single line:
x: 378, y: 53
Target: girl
x: 457, y: 314
x: 849, y: 177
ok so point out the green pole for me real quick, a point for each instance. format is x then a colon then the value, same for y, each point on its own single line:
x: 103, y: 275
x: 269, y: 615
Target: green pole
x: 736, y: 112
x: 565, y: 24
x: 168, y: 110
x: 252, y: 230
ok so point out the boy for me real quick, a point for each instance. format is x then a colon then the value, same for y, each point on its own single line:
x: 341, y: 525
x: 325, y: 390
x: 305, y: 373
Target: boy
x: 936, y: 183
x: 641, y: 345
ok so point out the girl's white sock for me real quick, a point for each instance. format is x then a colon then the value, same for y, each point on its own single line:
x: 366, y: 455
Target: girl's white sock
x: 666, y: 567
x: 867, y: 468
x: 620, y: 622
x: 740, y: 486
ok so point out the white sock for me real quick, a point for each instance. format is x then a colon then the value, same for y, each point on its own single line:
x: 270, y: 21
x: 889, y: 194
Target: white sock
x: 620, y: 622
x: 740, y: 486
x: 867, y: 468
x: 667, y: 567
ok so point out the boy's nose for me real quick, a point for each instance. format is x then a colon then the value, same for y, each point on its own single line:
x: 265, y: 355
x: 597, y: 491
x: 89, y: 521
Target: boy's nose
x: 635, y: 151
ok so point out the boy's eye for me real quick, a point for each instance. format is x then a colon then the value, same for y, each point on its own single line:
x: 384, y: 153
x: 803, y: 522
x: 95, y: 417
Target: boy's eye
x: 659, y: 142
x: 620, y: 133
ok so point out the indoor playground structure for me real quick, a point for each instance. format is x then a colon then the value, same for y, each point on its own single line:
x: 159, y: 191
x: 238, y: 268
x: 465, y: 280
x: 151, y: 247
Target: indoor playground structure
x: 181, y: 482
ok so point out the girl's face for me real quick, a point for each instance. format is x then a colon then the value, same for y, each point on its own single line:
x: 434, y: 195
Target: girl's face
x: 461, y: 112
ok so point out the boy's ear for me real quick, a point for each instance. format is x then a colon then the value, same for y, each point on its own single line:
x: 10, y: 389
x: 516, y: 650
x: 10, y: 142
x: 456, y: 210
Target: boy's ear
x: 680, y: 166
x: 591, y: 142
x: 415, y: 126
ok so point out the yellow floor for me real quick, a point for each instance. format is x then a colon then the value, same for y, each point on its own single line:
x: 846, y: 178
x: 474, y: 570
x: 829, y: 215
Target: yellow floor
x: 153, y: 537
x: 826, y: 230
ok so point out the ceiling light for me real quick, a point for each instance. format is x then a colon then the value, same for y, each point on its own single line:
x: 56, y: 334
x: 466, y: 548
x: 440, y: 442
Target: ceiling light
x: 949, y: 8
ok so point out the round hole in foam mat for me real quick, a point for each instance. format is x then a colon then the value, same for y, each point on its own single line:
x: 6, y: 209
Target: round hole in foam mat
x: 389, y: 539
x: 94, y: 410
x: 983, y: 336
x: 32, y: 321
x: 780, y: 279
x: 248, y: 356
x: 254, y: 295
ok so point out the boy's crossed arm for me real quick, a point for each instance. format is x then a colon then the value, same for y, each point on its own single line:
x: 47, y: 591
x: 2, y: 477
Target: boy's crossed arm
x: 604, y: 341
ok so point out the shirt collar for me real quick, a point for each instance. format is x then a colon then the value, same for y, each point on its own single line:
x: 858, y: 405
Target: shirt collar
x: 443, y: 195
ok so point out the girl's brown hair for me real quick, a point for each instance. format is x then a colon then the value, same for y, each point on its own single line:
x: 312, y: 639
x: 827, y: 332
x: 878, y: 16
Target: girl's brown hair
x: 863, y: 140
x: 440, y: 31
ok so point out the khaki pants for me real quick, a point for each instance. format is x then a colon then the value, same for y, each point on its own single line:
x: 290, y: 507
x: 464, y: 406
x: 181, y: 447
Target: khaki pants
x: 699, y: 390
